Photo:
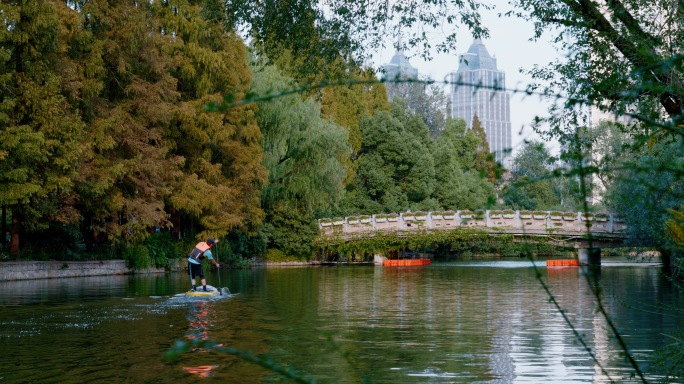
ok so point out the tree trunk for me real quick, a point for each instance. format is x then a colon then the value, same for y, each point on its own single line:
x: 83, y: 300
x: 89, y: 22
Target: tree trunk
x: 176, y: 221
x: 86, y: 228
x: 16, y: 227
x: 4, y: 225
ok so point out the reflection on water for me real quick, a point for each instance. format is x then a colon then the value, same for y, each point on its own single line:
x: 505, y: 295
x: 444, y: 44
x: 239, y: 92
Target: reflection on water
x: 202, y: 371
x: 198, y: 317
x: 487, y: 322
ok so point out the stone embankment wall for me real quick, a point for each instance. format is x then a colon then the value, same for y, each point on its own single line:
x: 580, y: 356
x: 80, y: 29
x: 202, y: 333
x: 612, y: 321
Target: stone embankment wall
x: 26, y: 270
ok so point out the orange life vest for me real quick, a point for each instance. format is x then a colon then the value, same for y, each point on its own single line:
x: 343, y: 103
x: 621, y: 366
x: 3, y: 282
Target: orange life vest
x: 198, y: 252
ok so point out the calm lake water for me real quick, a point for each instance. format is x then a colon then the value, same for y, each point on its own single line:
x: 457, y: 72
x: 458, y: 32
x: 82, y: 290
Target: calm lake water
x: 486, y: 322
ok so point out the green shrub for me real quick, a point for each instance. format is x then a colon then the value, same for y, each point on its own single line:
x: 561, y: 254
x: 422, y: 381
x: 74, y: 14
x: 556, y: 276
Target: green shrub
x: 278, y: 256
x: 232, y: 260
x: 292, y: 231
x: 160, y: 248
x: 137, y: 256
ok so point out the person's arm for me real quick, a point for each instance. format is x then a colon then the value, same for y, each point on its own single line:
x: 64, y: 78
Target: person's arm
x: 210, y: 256
x: 214, y: 261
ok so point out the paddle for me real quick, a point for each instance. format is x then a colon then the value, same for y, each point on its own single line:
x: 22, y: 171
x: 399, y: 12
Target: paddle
x: 190, y: 273
x: 219, y: 270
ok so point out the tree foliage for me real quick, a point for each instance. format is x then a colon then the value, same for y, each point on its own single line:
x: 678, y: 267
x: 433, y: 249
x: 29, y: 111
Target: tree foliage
x: 638, y: 72
x: 304, y: 153
x: 129, y: 169
x: 484, y: 159
x: 532, y: 183
x: 648, y: 189
x: 427, y: 101
x: 104, y: 120
x: 459, y: 184
x: 222, y: 171
x: 353, y: 28
x: 347, y: 104
x: 401, y: 167
x: 41, y: 134
x: 624, y: 60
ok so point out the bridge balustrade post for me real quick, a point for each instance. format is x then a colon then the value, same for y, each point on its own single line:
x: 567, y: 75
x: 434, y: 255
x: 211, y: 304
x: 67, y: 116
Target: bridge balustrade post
x: 548, y: 220
x: 611, y: 224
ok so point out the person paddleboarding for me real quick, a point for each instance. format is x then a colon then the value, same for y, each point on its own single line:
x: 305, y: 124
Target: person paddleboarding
x: 201, y: 251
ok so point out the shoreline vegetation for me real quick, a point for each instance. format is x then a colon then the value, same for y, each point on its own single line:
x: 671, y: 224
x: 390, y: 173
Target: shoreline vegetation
x: 52, y: 269
x: 49, y: 269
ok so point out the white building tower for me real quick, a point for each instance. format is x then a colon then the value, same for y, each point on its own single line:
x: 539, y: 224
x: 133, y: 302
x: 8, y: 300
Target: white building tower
x: 479, y: 88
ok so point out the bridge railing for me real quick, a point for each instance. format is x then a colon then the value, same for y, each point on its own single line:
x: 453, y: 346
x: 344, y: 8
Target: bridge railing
x: 523, y: 221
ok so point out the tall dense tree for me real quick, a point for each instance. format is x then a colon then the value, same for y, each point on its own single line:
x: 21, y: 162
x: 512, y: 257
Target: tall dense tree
x: 303, y: 151
x: 346, y: 105
x: 156, y: 148
x: 459, y: 185
x: 425, y: 100
x: 222, y: 171
x: 532, y: 182
x: 484, y: 160
x: 387, y: 167
x: 130, y: 169
x: 304, y: 155
x: 401, y: 167
x: 648, y: 190
x: 41, y: 133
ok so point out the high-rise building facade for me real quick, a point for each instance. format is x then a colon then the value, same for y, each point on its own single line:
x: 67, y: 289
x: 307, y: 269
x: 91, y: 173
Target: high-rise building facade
x: 479, y: 88
x: 398, y: 68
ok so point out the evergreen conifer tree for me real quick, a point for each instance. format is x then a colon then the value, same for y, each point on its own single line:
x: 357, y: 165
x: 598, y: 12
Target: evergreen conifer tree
x: 41, y: 133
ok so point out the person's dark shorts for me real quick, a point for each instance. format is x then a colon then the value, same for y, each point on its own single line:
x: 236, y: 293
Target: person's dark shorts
x: 195, y: 270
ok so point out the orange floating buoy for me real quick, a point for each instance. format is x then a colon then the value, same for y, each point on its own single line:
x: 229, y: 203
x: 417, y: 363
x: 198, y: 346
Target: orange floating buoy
x: 562, y: 263
x: 405, y: 262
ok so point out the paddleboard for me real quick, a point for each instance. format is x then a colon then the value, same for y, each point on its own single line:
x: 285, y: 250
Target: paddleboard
x: 211, y: 291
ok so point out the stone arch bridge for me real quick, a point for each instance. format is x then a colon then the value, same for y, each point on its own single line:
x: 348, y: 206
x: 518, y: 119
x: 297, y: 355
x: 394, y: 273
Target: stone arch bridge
x: 587, y: 232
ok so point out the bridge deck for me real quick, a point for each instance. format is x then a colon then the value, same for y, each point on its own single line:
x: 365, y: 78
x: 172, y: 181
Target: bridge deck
x: 575, y: 227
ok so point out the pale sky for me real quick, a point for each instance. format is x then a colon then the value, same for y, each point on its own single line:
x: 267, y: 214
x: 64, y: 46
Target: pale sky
x: 509, y: 43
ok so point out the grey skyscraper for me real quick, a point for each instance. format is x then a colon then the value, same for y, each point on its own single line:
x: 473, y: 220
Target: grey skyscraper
x: 398, y: 68
x: 478, y: 88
